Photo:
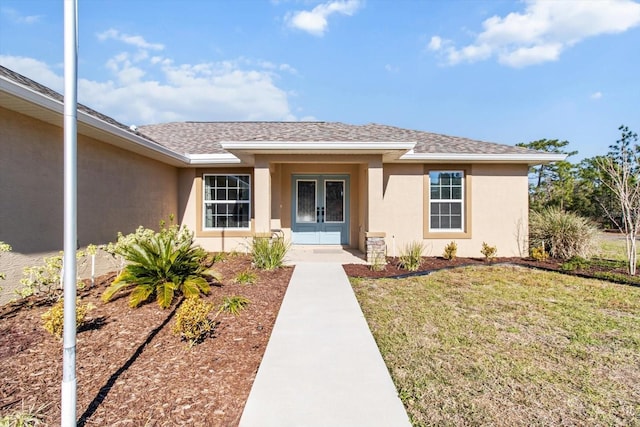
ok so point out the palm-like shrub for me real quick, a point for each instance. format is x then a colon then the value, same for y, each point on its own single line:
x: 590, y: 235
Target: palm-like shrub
x: 563, y: 234
x: 162, y: 265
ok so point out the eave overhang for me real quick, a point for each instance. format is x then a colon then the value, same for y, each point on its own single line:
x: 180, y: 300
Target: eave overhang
x: 525, y: 158
x: 29, y: 102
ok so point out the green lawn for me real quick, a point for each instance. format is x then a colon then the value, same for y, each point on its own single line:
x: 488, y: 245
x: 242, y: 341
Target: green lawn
x: 508, y: 346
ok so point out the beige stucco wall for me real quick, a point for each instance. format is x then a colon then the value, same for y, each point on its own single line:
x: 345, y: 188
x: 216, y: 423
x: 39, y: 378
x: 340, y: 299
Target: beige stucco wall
x: 499, y: 209
x: 117, y: 191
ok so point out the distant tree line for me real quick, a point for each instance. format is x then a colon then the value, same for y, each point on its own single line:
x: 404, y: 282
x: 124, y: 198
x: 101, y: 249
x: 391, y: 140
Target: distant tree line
x: 584, y: 188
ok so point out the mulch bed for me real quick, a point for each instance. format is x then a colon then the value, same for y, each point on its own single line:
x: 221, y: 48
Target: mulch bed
x: 430, y: 264
x: 131, y: 369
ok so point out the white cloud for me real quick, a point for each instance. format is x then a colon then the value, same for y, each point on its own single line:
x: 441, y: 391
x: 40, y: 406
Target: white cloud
x: 137, y: 41
x: 596, y: 95
x: 226, y: 90
x: 542, y: 32
x: 392, y: 68
x: 18, y: 18
x: 315, y: 21
x: 35, y: 70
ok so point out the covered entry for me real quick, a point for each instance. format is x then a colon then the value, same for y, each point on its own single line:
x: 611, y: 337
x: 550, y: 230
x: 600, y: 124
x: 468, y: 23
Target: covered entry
x: 320, y: 209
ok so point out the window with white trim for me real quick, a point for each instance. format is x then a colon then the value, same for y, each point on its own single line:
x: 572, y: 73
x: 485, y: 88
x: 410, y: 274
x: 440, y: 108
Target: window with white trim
x: 446, y: 201
x: 227, y: 201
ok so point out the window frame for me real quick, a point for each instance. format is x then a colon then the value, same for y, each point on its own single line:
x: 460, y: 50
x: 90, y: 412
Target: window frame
x: 206, y: 202
x: 457, y: 233
x: 441, y: 201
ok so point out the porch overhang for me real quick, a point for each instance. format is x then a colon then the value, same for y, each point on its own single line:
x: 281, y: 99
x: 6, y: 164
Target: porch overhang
x: 390, y: 151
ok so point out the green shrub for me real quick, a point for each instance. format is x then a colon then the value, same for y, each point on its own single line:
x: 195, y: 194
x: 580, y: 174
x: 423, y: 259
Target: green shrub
x: 162, y: 265
x: 411, y: 257
x: 192, y: 320
x: 565, y: 234
x: 246, y: 278
x: 489, y: 252
x: 53, y: 319
x: 234, y: 304
x: 46, y: 279
x: 539, y: 254
x: 575, y: 263
x: 4, y: 247
x: 450, y: 251
x: 269, y: 253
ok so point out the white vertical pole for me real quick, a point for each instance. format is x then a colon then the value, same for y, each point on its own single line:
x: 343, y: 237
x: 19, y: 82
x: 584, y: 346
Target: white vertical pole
x: 69, y: 380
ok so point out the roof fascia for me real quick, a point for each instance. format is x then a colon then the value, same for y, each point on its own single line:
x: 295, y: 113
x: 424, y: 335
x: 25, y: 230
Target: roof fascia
x: 271, y: 146
x: 43, y: 101
x: 530, y: 159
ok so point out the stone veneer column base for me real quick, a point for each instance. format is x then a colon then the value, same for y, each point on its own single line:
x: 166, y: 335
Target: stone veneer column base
x: 376, y: 248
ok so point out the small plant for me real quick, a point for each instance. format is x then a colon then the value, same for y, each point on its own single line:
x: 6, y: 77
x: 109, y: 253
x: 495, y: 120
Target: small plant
x: 539, y: 254
x: 234, y: 304
x: 575, y: 263
x: 192, y: 320
x: 46, y: 279
x: 4, y: 247
x: 411, y: 257
x: 378, y: 263
x: 269, y: 253
x: 218, y: 257
x: 25, y: 417
x: 489, y: 252
x: 53, y: 319
x: 450, y: 251
x: 246, y: 278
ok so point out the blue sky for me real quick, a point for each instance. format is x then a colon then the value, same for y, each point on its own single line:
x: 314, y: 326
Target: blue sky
x: 501, y: 71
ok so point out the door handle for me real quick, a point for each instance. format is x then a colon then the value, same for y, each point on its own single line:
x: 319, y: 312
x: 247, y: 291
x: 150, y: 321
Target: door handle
x: 317, y: 214
x: 322, y: 213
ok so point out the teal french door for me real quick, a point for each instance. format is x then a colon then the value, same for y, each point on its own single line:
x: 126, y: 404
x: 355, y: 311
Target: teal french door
x: 320, y: 210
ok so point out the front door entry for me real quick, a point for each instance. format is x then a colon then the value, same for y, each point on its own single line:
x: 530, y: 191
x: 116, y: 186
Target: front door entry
x: 320, y: 210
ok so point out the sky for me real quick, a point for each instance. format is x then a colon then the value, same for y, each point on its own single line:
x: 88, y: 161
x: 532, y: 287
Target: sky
x: 499, y: 71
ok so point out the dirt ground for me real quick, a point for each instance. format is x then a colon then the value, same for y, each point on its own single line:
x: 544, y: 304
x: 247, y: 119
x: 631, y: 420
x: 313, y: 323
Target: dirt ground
x: 131, y: 369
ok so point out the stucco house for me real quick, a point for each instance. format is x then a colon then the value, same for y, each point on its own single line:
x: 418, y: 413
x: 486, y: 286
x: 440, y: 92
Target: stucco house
x: 371, y: 187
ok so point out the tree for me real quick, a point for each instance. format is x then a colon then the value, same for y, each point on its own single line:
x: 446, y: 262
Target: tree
x: 620, y: 173
x: 551, y: 184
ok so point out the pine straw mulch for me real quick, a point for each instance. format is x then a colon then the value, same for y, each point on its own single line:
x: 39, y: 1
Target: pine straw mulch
x: 131, y: 369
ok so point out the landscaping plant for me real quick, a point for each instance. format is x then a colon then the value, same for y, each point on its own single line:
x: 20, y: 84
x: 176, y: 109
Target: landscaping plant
x: 192, y: 320
x: 411, y: 257
x: 450, y: 251
x: 53, y: 319
x: 565, y: 234
x: 539, y: 254
x: 162, y: 265
x: 269, y: 253
x: 489, y: 252
x: 246, y: 277
x: 46, y: 279
x: 234, y: 304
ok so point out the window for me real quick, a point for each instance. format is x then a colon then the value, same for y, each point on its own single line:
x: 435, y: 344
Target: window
x: 446, y: 201
x: 227, y: 201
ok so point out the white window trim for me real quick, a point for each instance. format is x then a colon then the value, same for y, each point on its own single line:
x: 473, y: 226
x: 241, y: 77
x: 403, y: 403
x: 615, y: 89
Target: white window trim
x: 230, y: 202
x: 461, y: 201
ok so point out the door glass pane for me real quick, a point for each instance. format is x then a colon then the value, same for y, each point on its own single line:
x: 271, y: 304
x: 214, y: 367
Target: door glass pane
x: 306, y: 204
x: 334, y: 201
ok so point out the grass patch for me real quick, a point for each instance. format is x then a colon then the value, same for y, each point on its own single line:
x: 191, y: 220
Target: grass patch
x: 508, y: 346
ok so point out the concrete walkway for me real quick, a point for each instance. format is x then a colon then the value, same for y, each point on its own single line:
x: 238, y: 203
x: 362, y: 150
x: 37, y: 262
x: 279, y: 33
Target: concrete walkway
x: 322, y: 366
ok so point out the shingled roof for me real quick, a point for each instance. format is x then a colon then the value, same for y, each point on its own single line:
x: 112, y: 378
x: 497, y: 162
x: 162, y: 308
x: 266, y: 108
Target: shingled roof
x: 205, y: 137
